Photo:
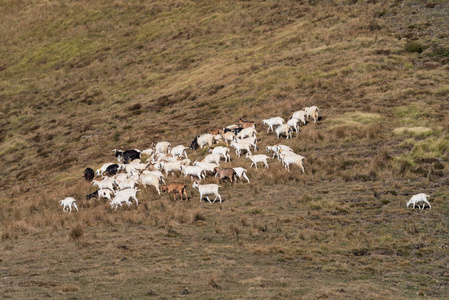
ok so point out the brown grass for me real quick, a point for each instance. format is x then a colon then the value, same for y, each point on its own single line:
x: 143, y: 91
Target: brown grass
x: 79, y: 79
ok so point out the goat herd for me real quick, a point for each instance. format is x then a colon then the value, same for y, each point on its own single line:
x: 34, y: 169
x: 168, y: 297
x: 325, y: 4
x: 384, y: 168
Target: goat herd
x: 119, y: 181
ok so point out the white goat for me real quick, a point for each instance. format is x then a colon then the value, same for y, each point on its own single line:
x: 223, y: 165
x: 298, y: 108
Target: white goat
x: 312, y: 113
x: 179, y: 151
x: 148, y: 151
x: 120, y: 176
x: 163, y: 147
x: 246, y: 132
x: 171, y: 166
x: 258, y: 158
x: 294, y: 124
x: 207, y: 167
x: 118, y: 201
x: 205, y: 139
x: 156, y: 173
x: 127, y: 194
x: 239, y: 146
x: 272, y: 122
x: 300, y: 115
x: 125, y: 184
x: 289, y: 158
x: 223, y: 151
x: 252, y: 140
x: 105, y: 193
x: 193, y: 171
x: 241, y: 172
x: 283, y: 129
x: 207, y: 189
x: 104, y: 184
x: 212, y: 158
x: 278, y: 148
x: 228, y: 137
x: 150, y: 179
x: 419, y: 198
x: 68, y: 202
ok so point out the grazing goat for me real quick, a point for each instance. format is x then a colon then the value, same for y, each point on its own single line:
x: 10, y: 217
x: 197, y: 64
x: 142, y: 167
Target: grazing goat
x: 119, y: 200
x: 148, y: 152
x: 149, y: 179
x: 207, y: 139
x: 162, y: 147
x: 194, y: 144
x: 419, y: 198
x: 272, y: 122
x: 207, y: 167
x: 300, y: 115
x: 247, y: 132
x: 89, y: 174
x: 239, y: 146
x: 252, y: 140
x: 246, y: 123
x: 207, y: 189
x: 312, y: 113
x: 105, y: 194
x: 212, y: 158
x: 92, y: 195
x: 283, y: 129
x: 258, y: 158
x: 103, y: 168
x: 233, y: 130
x: 104, y: 184
x: 112, y: 170
x: 216, y: 131
x: 68, y: 202
x: 171, y: 166
x: 175, y: 187
x: 289, y: 158
x: 223, y: 151
x: 156, y: 173
x: 241, y: 172
x: 294, y: 124
x: 125, y: 195
x: 127, y: 155
x: 228, y: 136
x: 179, y: 151
x: 102, y: 193
x: 125, y: 184
x: 277, y: 148
x: 227, y: 173
x: 193, y: 171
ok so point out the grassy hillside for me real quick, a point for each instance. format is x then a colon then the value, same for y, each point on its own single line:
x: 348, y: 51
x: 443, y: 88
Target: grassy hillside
x: 80, y: 78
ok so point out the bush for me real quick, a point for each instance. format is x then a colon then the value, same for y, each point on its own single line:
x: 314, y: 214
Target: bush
x: 440, y: 51
x: 413, y: 47
x: 76, y: 232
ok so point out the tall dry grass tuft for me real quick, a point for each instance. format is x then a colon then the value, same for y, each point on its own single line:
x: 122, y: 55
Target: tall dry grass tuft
x: 76, y: 232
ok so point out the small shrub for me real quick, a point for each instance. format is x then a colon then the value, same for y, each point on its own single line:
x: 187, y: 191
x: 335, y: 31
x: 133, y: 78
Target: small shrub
x: 441, y: 51
x: 414, y: 47
x: 134, y: 107
x: 76, y: 232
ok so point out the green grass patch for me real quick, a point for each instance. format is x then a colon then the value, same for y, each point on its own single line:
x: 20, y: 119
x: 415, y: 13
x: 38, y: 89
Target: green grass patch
x: 418, y: 131
x: 356, y: 119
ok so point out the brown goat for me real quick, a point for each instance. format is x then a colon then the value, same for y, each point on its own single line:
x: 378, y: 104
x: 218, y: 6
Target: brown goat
x: 246, y: 123
x: 227, y: 173
x: 216, y: 131
x: 175, y: 187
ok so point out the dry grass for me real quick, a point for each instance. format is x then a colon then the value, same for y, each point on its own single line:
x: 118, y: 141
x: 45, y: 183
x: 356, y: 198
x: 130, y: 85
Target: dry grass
x: 79, y: 79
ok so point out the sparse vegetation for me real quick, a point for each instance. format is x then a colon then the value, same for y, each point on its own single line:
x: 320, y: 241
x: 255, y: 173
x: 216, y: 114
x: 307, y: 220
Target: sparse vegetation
x: 80, y: 78
x: 414, y: 47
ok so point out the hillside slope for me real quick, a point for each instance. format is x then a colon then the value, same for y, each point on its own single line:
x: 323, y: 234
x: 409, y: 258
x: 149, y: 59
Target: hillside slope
x: 80, y: 78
